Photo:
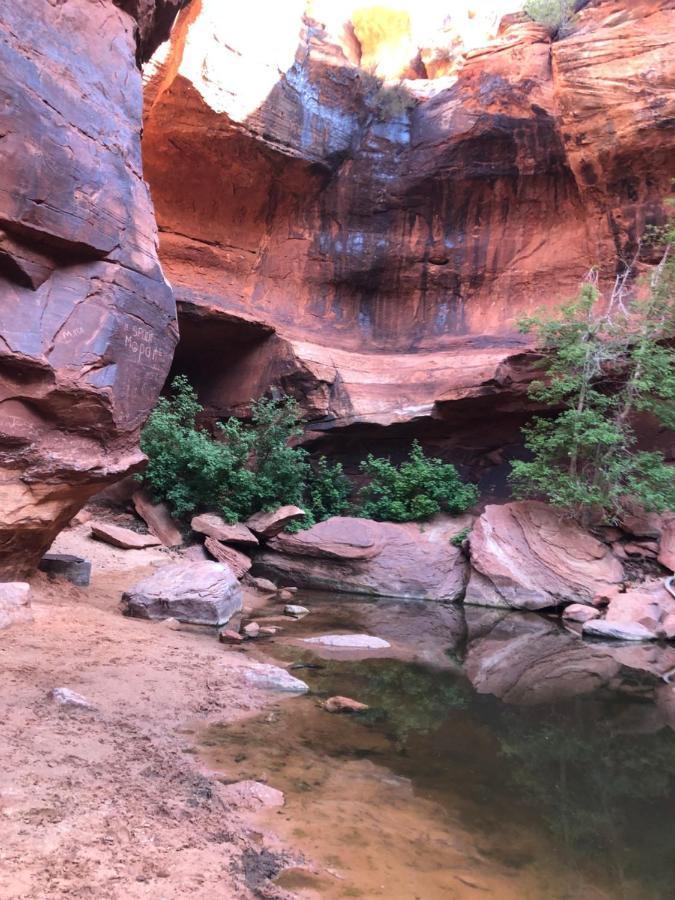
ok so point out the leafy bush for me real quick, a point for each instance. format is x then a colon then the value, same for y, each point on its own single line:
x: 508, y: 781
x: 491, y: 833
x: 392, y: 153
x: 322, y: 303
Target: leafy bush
x: 417, y: 489
x: 248, y: 468
x: 328, y: 490
x: 556, y: 15
x: 601, y: 369
x: 389, y: 101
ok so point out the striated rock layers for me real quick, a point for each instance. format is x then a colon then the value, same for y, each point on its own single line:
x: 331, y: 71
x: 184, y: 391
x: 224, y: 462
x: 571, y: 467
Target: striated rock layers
x: 87, y: 320
x: 368, y: 249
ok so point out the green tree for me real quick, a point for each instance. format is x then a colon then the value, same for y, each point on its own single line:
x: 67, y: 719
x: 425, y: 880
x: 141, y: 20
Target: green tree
x: 556, y: 15
x: 417, y: 489
x: 601, y: 369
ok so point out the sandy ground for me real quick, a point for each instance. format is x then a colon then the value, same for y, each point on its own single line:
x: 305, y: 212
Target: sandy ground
x: 111, y: 802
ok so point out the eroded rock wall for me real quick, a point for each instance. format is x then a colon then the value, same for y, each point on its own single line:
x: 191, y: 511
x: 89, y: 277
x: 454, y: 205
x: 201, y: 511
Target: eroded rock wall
x: 370, y: 253
x: 87, y: 319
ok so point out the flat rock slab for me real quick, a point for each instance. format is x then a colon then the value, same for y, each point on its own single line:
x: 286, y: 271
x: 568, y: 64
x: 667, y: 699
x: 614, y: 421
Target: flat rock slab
x: 235, y: 559
x: 64, y: 565
x: 618, y: 631
x: 14, y: 603
x: 199, y: 593
x: 123, y: 537
x: 269, y: 524
x: 158, y: 518
x: 349, y: 641
x: 213, y: 526
x: 274, y: 678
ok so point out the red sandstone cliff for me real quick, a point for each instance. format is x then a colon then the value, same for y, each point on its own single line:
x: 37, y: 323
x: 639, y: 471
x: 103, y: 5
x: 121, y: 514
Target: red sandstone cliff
x: 87, y: 320
x: 373, y: 260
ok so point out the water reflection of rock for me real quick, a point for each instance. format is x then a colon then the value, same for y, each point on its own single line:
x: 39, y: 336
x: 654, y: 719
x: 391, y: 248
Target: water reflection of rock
x: 525, y: 659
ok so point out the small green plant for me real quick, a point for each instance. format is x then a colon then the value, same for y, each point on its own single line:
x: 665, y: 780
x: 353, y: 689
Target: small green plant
x: 556, y: 15
x: 460, y: 537
x: 602, y: 367
x: 389, y: 101
x: 417, y: 489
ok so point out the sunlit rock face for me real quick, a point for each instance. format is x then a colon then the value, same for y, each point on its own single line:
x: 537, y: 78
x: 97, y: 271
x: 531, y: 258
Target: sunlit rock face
x: 87, y: 320
x: 370, y: 253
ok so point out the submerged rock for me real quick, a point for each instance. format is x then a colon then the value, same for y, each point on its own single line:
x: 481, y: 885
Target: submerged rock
x: 201, y: 593
x: 349, y: 641
x: 343, y: 705
x: 526, y: 556
x: 296, y: 612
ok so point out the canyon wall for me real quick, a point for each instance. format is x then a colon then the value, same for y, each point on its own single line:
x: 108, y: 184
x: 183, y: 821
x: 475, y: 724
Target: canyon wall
x: 368, y: 248
x: 87, y: 319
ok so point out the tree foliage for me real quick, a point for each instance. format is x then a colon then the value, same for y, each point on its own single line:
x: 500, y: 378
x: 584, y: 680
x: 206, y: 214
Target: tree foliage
x: 245, y: 469
x: 416, y: 489
x: 603, y: 368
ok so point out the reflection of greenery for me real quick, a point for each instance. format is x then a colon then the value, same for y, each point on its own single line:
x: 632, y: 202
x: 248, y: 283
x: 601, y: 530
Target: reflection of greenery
x: 403, y: 698
x: 597, y: 789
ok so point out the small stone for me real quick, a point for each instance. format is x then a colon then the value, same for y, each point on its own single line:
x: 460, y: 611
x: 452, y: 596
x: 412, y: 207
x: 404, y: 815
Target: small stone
x: 579, y: 612
x: 123, y: 537
x: 343, y: 705
x: 250, y: 795
x: 73, y: 568
x: 171, y: 623
x: 268, y: 630
x: 15, y: 603
x: 291, y: 590
x: 227, y: 636
x: 285, y: 596
x: 81, y: 518
x: 349, y: 641
x: 619, y: 550
x: 274, y: 678
x: 252, y: 630
x: 65, y: 697
x: 297, y: 612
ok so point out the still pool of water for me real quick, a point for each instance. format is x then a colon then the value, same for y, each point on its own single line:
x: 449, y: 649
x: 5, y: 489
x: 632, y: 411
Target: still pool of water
x: 506, y: 758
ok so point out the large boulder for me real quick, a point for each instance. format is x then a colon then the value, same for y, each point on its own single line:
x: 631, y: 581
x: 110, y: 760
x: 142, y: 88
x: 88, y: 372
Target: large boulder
x: 413, y: 561
x: 235, y: 559
x: 200, y: 593
x: 213, y: 526
x: 524, y: 555
x: 122, y: 537
x: 87, y: 319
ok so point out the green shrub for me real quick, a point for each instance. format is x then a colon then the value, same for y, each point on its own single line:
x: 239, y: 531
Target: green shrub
x: 417, y: 489
x: 556, y: 15
x: 603, y: 366
x: 328, y: 490
x: 246, y: 469
x: 458, y: 539
x: 389, y: 101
